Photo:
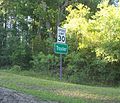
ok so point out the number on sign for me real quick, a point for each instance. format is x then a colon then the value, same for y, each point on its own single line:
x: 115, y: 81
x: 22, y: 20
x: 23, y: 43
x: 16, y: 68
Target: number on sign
x: 61, y: 38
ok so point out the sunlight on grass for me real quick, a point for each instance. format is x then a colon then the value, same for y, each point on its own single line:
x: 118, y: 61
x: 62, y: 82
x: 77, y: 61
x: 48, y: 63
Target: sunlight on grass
x: 55, y: 90
x: 82, y: 95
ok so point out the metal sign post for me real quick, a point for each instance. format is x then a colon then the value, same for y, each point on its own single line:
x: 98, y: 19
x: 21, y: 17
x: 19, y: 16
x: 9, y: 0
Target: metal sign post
x: 60, y: 66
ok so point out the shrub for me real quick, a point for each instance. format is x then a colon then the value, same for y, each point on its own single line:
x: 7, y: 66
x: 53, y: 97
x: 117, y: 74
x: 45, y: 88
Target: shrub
x: 44, y: 63
x: 16, y: 68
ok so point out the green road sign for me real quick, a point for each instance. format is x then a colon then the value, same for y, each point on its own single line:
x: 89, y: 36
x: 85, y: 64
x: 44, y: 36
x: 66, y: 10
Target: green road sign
x: 60, y: 48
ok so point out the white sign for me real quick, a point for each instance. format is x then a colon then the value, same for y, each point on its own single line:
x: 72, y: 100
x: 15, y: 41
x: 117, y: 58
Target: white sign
x: 61, y: 35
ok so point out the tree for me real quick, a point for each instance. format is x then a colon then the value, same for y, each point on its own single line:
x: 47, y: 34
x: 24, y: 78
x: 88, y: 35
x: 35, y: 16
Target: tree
x: 97, y: 43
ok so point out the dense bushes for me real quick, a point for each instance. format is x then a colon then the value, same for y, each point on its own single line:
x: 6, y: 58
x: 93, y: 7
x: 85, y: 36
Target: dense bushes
x: 45, y: 63
x: 97, y: 54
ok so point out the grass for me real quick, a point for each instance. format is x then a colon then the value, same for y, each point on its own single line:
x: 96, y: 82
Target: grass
x: 58, y: 91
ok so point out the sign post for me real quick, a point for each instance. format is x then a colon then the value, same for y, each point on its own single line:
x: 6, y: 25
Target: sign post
x: 60, y: 47
x: 60, y: 66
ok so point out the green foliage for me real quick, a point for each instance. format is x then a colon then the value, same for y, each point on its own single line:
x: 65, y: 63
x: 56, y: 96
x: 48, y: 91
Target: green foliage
x: 16, y: 68
x: 39, y: 45
x: 92, y: 4
x: 39, y: 62
x: 44, y: 63
x: 97, y: 44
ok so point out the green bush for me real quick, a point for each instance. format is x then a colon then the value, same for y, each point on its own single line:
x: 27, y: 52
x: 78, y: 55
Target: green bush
x: 16, y: 68
x: 44, y: 63
x: 94, y: 45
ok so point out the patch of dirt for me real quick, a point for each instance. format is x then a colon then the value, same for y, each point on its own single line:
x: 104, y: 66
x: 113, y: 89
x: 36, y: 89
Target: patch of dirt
x: 12, y: 96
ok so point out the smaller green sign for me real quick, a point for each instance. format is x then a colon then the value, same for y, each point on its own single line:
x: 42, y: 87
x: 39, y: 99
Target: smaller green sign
x: 60, y: 48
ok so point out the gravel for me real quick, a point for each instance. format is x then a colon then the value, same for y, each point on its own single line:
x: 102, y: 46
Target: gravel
x: 12, y: 96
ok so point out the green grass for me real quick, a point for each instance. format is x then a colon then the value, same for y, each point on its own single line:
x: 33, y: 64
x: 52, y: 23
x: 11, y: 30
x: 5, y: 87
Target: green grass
x: 59, y: 91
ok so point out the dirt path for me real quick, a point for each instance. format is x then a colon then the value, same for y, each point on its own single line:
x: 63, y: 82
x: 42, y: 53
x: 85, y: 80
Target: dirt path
x: 11, y: 96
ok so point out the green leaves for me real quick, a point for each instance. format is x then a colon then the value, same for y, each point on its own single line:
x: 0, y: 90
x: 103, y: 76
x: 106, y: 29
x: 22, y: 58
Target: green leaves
x: 96, y: 38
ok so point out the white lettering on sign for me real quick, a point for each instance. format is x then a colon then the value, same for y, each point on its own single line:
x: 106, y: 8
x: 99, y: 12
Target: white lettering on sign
x: 61, y: 35
x: 61, y: 48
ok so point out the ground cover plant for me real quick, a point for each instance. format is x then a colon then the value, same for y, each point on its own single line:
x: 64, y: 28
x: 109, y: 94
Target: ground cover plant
x: 59, y: 91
